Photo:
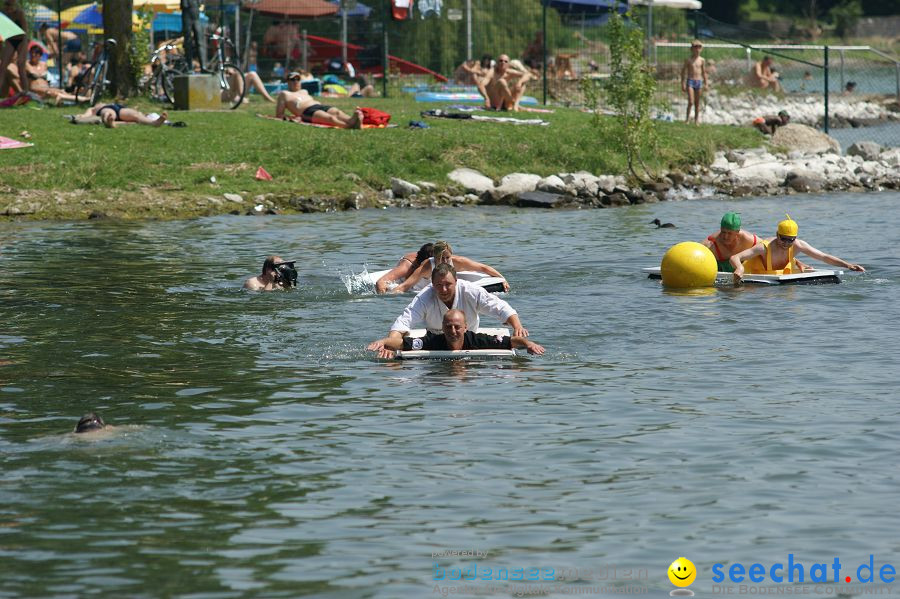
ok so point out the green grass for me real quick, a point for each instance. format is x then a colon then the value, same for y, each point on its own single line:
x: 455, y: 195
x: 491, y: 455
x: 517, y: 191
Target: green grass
x: 140, y: 172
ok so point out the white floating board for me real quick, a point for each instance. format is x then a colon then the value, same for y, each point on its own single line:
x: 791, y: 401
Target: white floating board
x: 459, y: 354
x: 490, y: 284
x: 815, y: 277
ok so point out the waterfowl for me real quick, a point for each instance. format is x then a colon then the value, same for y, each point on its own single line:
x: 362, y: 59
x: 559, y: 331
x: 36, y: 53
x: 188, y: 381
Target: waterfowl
x: 660, y: 225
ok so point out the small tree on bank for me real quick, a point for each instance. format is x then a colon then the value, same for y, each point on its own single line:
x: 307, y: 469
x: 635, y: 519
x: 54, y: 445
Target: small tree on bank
x: 630, y: 90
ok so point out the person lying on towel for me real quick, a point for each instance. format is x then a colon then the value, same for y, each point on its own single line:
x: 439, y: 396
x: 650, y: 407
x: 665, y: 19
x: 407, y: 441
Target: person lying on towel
x: 298, y: 102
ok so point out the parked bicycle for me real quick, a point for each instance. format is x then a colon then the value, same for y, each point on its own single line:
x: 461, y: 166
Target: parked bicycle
x: 166, y: 62
x: 231, y: 77
x: 93, y: 81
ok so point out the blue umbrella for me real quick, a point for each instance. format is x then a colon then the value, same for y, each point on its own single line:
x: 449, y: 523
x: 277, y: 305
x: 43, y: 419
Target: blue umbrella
x: 90, y: 16
x: 360, y: 10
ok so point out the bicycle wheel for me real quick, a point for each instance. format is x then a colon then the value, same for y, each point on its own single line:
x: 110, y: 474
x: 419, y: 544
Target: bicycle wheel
x: 167, y: 83
x: 84, y: 87
x: 99, y: 83
x: 235, y: 86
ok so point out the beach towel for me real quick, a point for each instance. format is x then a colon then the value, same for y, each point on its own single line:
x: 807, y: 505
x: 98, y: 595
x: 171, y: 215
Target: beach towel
x: 299, y: 121
x: 7, y: 143
x: 438, y: 113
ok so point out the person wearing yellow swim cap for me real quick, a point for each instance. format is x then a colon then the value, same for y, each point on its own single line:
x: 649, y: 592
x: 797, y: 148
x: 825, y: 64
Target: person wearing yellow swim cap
x: 776, y: 255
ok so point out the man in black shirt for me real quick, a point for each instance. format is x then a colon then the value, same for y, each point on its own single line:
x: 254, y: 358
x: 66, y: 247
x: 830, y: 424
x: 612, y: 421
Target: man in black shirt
x: 455, y: 337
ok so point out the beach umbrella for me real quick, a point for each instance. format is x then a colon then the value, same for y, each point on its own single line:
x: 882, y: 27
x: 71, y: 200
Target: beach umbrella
x: 89, y: 18
x: 40, y: 14
x: 297, y: 9
x: 8, y: 27
x: 90, y: 14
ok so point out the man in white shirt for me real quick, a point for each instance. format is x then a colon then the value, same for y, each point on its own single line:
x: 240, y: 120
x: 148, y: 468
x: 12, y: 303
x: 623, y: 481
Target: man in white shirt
x: 447, y: 293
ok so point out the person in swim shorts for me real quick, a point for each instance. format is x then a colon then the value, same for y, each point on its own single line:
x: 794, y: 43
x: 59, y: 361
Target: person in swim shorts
x: 776, y: 255
x: 114, y: 115
x: 298, y: 102
x: 693, y: 80
x: 405, y: 267
x: 443, y: 253
x: 730, y: 240
x: 769, y: 123
x: 454, y: 336
x: 504, y: 86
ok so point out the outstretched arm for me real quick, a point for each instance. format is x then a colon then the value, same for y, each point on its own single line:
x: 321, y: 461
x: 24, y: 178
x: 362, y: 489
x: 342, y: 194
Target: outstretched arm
x: 423, y: 271
x: 809, y: 250
x: 463, y: 263
x: 531, y: 346
x: 385, y: 347
x: 401, y: 271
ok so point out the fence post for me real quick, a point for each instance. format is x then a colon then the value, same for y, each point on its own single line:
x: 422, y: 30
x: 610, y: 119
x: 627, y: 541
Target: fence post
x: 897, y: 70
x: 826, y: 89
x: 544, y: 44
x: 385, y: 64
x: 842, y: 69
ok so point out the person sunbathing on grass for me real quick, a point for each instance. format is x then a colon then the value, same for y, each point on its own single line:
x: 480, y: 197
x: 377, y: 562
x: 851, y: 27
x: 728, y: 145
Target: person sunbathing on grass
x: 114, y: 115
x: 297, y: 101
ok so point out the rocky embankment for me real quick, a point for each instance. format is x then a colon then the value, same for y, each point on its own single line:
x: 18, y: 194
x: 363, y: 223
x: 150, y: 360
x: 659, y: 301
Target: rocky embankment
x: 800, y: 160
x: 844, y: 111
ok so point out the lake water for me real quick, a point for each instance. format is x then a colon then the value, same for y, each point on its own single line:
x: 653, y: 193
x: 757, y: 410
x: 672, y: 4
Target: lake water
x: 258, y: 450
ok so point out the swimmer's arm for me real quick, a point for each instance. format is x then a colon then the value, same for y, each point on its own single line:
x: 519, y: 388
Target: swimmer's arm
x: 684, y: 74
x: 703, y: 70
x: 396, y: 273
x: 393, y: 341
x: 423, y: 271
x: 463, y: 263
x: 531, y: 346
x: 809, y: 250
x: 737, y: 259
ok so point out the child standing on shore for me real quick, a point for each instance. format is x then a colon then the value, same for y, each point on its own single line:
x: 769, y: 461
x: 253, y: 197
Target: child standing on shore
x: 693, y: 80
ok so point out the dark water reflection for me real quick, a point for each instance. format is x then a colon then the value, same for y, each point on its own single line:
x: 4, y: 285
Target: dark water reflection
x: 260, y: 451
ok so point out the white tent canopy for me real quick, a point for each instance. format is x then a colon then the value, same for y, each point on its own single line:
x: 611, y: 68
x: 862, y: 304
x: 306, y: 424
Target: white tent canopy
x: 685, y: 4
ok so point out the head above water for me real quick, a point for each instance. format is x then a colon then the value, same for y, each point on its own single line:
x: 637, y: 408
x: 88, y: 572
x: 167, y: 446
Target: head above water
x: 454, y: 327
x: 89, y: 422
x: 425, y: 252
x: 784, y: 115
x: 731, y: 221
x: 788, y: 227
x: 269, y: 264
x: 440, y: 247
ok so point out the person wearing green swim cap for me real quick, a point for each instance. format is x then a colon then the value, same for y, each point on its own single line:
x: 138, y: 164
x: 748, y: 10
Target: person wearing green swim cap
x: 730, y: 240
x: 776, y: 255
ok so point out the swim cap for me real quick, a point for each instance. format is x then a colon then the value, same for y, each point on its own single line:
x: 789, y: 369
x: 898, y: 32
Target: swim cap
x: 731, y: 221
x: 788, y: 227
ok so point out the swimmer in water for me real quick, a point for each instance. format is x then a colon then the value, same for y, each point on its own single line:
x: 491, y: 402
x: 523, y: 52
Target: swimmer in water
x: 90, y: 423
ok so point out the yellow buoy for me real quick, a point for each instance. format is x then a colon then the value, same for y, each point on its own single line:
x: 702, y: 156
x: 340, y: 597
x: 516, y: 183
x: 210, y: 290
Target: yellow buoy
x: 688, y: 264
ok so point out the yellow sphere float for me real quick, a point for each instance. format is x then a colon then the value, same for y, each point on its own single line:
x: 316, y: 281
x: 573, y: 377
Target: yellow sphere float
x: 688, y: 264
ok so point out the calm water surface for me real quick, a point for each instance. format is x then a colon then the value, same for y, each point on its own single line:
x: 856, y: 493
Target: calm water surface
x: 258, y: 450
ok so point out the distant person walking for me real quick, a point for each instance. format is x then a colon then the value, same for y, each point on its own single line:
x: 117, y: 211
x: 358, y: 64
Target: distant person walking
x: 694, y: 79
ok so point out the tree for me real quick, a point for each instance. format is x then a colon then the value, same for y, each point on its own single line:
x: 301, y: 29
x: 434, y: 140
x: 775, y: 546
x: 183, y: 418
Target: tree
x: 117, y: 25
x: 630, y: 90
x: 845, y: 17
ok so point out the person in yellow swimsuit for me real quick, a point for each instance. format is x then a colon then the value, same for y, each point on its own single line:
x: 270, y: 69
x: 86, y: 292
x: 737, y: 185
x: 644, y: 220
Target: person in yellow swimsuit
x: 776, y: 256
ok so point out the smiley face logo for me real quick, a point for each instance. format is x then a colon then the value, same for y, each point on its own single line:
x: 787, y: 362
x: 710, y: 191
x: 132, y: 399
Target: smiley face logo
x: 682, y: 572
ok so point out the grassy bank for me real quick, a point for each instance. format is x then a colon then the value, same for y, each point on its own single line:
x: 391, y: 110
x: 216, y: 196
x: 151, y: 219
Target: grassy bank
x: 143, y: 172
